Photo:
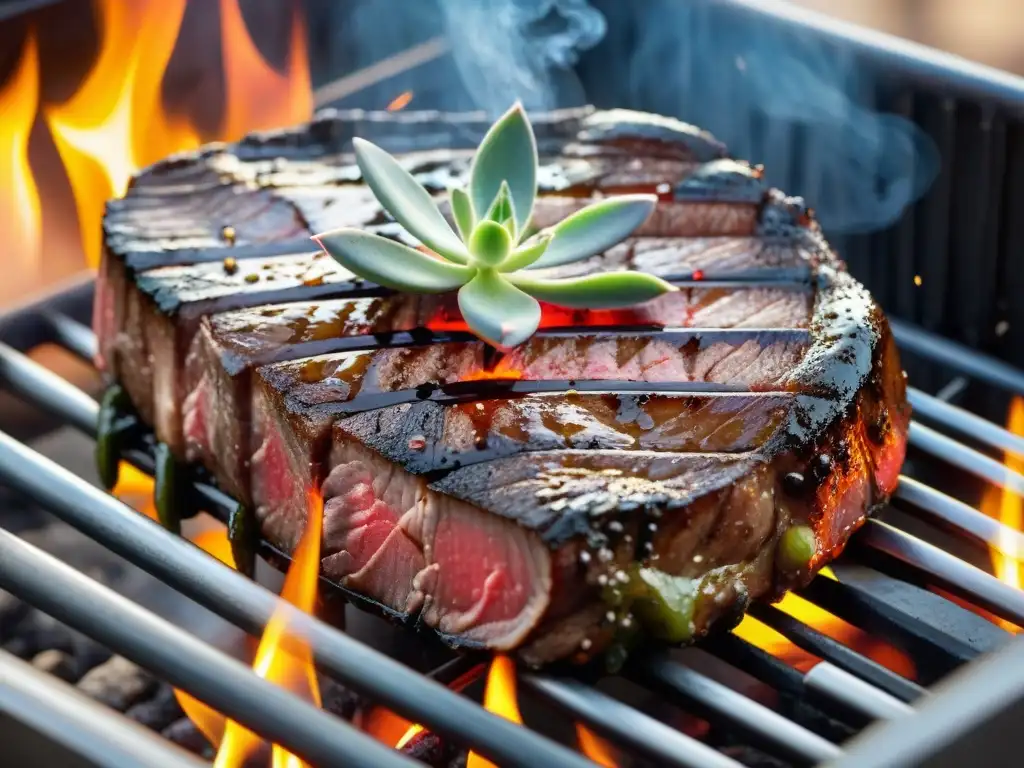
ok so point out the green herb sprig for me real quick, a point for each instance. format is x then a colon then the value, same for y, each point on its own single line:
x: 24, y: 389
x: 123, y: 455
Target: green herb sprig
x: 489, y: 258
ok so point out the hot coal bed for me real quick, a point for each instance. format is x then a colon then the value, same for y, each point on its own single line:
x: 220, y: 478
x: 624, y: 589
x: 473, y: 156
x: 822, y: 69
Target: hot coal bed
x: 747, y: 706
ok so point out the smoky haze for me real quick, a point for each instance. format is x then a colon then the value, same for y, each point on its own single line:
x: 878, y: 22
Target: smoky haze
x: 775, y: 94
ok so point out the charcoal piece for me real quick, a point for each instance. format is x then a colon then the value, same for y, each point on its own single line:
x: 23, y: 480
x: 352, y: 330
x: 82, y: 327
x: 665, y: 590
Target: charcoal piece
x: 12, y: 611
x: 158, y: 711
x: 118, y: 683
x: 753, y: 758
x: 428, y: 748
x: 38, y: 632
x: 186, y: 735
x: 338, y: 700
x: 58, y: 664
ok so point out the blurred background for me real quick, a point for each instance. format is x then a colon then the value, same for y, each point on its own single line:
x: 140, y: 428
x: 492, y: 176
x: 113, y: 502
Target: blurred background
x: 903, y: 155
x: 988, y: 31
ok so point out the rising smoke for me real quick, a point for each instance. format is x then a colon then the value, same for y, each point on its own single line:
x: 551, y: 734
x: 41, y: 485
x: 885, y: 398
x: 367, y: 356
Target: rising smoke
x: 774, y: 93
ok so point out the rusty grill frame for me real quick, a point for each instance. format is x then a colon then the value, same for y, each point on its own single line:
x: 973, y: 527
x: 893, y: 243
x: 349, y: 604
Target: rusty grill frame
x: 952, y: 724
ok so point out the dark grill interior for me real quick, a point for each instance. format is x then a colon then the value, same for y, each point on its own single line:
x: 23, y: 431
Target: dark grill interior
x: 726, y: 703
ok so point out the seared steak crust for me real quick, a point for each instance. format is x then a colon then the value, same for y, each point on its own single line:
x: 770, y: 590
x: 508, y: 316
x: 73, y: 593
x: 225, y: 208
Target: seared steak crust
x: 506, y: 501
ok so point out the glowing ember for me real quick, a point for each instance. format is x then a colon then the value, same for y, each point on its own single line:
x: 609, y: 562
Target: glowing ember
x: 499, y: 698
x: 387, y: 727
x: 596, y: 748
x: 1007, y: 507
x: 393, y: 729
x: 766, y: 638
x: 498, y: 373
x: 20, y: 212
x: 401, y: 101
x: 408, y: 736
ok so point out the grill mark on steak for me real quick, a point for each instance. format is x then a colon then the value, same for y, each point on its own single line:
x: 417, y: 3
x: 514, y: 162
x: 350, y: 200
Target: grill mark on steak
x: 428, y: 438
x: 165, y: 305
x: 442, y: 503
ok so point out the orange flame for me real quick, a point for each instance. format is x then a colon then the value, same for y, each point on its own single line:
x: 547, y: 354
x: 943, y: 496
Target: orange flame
x: 135, y: 489
x: 258, y: 96
x: 400, y: 102
x: 499, y: 698
x: 596, y: 748
x: 115, y: 122
x: 766, y: 638
x: 409, y: 735
x: 282, y: 657
x: 1007, y: 507
x: 214, y: 541
x: 20, y: 211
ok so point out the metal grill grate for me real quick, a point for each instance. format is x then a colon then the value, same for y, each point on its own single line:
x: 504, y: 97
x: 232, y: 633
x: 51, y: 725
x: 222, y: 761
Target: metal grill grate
x: 853, y: 689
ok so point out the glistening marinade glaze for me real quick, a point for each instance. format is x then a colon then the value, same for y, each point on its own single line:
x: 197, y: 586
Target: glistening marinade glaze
x: 621, y: 474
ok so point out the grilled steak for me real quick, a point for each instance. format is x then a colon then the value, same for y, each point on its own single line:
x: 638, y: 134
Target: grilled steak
x: 525, y: 500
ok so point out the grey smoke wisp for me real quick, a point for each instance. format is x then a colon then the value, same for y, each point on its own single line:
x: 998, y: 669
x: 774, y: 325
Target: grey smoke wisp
x: 774, y: 93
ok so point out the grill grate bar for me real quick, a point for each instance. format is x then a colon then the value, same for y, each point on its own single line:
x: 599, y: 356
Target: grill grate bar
x: 74, y: 336
x: 776, y: 673
x: 964, y: 422
x: 623, y: 724
x: 849, y: 691
x: 718, y: 704
x: 87, y: 728
x: 39, y: 386
x: 957, y: 357
x: 813, y: 641
x: 249, y: 606
x: 860, y: 606
x: 949, y: 571
x: 967, y: 459
x: 970, y: 719
x: 223, y: 683
x: 924, y: 501
x: 843, y: 695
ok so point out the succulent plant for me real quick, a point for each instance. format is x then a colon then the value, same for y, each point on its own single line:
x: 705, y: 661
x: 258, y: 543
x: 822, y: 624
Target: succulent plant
x: 490, y: 253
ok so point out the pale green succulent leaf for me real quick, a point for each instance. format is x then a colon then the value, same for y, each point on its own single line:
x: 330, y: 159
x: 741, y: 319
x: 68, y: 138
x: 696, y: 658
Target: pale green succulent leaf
x: 596, y: 228
x: 497, y: 311
x: 508, y: 153
x: 462, y: 212
x: 502, y: 208
x: 510, y: 226
x: 526, y: 254
x: 490, y: 244
x: 608, y: 290
x: 392, y: 264
x: 406, y: 199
